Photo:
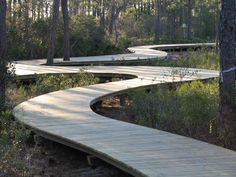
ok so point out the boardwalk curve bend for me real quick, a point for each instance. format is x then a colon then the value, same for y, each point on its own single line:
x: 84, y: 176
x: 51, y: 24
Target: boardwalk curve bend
x: 66, y: 117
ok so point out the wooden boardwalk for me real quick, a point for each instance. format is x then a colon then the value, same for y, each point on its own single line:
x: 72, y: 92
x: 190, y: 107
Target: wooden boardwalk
x: 66, y: 117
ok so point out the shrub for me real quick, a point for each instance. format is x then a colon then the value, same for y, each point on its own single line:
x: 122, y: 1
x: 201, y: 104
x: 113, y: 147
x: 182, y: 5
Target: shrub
x: 43, y: 84
x: 130, y: 25
x: 203, y: 59
x: 190, y: 109
x: 88, y: 38
x: 198, y: 106
x: 49, y: 83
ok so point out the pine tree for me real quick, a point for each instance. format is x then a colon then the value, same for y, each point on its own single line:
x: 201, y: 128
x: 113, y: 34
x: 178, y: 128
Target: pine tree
x: 3, y: 8
x: 52, y: 40
x: 66, y: 43
x: 227, y: 36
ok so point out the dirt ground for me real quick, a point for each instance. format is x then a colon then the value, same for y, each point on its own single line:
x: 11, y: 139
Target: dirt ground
x: 50, y: 159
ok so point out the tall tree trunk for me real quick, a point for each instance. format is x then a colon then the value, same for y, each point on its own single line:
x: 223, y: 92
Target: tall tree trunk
x: 9, y: 5
x: 66, y: 43
x: 158, y: 21
x: 203, y: 13
x: 3, y: 9
x: 217, y: 48
x: 14, y: 12
x: 227, y: 36
x: 112, y: 18
x: 102, y: 14
x: 52, y: 40
x: 217, y: 23
x: 38, y: 10
x: 33, y: 11
x: 149, y: 7
x: 173, y: 25
x: 89, y: 7
x: 82, y: 8
x: 189, y: 19
x: 46, y: 10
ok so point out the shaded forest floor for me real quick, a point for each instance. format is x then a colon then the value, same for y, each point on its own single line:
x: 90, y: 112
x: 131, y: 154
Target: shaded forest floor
x: 49, y: 159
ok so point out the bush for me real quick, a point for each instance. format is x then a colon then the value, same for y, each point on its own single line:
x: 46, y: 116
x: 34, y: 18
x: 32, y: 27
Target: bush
x: 49, y: 83
x: 198, y: 106
x: 28, y: 41
x: 190, y: 109
x: 18, y: 92
x: 43, y: 84
x: 203, y: 59
x: 88, y: 38
x: 131, y: 25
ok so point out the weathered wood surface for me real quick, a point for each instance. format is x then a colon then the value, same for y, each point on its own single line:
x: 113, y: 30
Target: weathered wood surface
x: 66, y: 117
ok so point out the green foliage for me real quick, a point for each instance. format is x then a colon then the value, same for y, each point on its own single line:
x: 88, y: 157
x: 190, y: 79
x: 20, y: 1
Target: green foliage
x: 27, y: 39
x: 43, y: 84
x: 203, y: 59
x: 165, y: 39
x: 88, y: 38
x: 199, y: 106
x: 131, y: 25
x: 134, y: 23
x: 13, y: 138
x: 49, y: 83
x: 190, y: 109
x: 30, y: 39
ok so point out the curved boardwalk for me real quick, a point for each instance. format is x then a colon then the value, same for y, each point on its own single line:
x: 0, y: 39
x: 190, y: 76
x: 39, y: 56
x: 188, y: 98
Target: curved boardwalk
x: 66, y: 117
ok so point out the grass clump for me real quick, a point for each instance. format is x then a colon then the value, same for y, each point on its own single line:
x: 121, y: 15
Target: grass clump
x: 190, y: 109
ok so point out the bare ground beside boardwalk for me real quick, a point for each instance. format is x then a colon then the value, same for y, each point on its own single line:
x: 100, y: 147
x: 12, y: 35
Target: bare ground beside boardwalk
x: 49, y: 159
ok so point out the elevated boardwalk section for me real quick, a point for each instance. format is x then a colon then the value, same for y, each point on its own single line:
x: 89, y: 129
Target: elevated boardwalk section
x: 66, y: 117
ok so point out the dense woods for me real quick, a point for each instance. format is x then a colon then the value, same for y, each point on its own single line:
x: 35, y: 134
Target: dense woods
x: 113, y: 25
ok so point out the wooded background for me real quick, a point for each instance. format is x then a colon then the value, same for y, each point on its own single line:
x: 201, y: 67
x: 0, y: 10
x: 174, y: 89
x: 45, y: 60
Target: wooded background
x: 109, y: 26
